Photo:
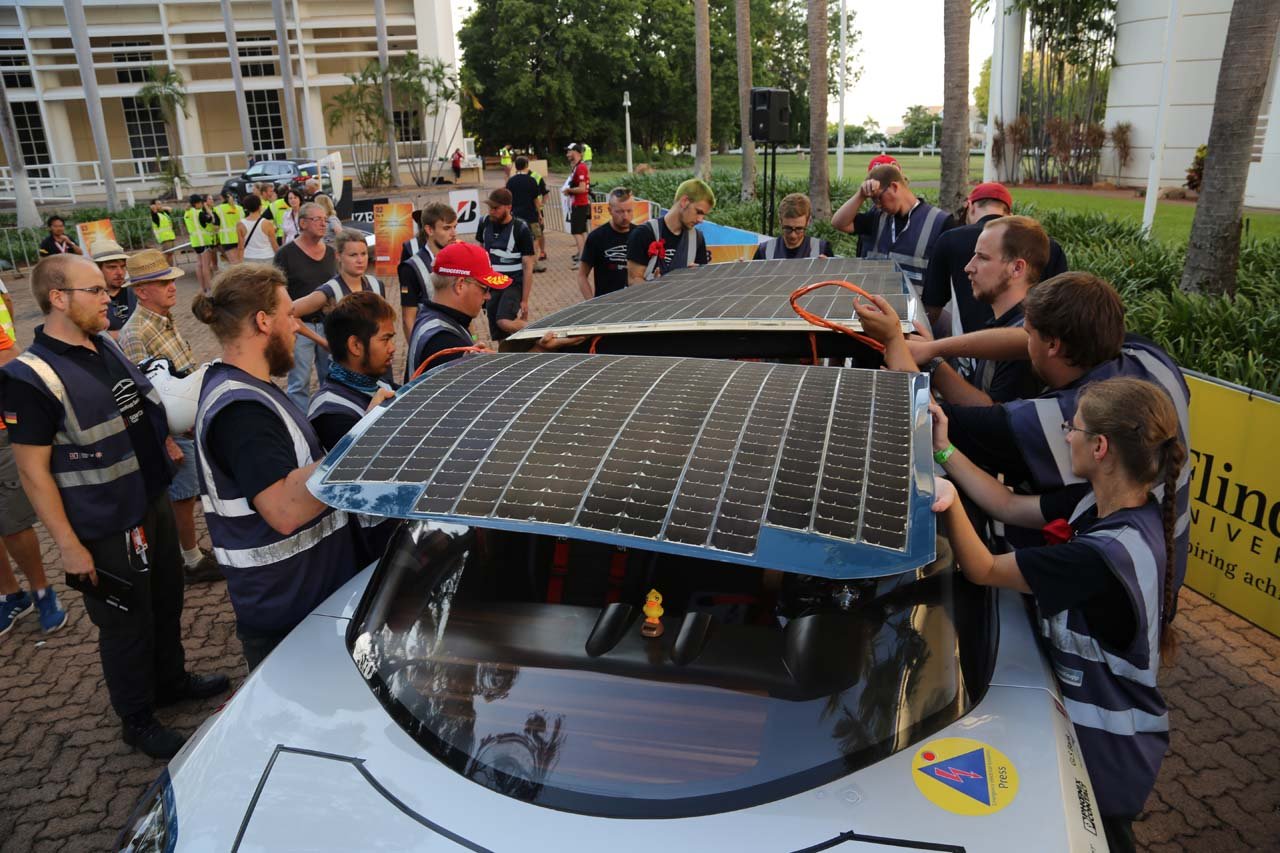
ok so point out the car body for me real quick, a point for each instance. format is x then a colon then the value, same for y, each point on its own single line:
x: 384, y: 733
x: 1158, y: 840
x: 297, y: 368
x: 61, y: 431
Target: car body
x: 823, y: 677
x: 282, y: 173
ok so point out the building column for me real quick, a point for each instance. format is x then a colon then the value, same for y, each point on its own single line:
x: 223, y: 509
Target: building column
x: 435, y: 38
x: 92, y: 100
x: 1006, y: 84
x: 286, y: 77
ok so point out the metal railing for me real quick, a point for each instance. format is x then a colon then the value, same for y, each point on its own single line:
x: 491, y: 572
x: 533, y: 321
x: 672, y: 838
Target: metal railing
x: 138, y: 176
x: 19, y: 247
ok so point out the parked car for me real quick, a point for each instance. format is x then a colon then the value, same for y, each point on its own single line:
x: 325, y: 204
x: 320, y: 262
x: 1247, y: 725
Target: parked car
x: 641, y: 603
x: 282, y: 173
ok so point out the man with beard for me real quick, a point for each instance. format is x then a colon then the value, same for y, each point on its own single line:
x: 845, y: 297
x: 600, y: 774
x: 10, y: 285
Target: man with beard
x: 112, y: 260
x: 1007, y: 261
x: 604, y: 256
x: 361, y: 331
x: 796, y: 213
x: 88, y: 432
x: 282, y: 551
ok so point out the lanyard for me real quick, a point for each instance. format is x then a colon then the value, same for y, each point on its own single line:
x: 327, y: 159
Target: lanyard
x: 893, y: 224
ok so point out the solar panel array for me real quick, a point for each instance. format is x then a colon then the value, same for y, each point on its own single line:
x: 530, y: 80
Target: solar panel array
x: 691, y: 452
x: 743, y: 295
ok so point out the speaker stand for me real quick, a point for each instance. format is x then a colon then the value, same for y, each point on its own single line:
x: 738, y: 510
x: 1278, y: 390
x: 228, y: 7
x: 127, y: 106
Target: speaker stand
x: 769, y: 180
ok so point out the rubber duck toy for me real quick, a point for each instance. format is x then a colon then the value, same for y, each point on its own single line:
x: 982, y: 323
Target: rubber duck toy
x: 652, y: 626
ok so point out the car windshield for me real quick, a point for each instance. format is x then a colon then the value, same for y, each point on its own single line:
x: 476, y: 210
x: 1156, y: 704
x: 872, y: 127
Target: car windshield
x: 258, y: 169
x: 522, y: 662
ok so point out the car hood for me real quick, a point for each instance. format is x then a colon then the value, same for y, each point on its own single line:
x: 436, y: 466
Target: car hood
x: 304, y: 757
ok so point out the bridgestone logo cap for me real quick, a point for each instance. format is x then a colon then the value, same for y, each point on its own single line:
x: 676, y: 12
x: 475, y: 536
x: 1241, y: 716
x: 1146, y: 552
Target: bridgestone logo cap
x: 468, y: 260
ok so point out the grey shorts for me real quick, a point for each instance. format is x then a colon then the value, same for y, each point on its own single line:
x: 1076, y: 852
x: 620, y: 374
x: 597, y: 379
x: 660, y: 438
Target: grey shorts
x: 186, y: 484
x: 16, y: 513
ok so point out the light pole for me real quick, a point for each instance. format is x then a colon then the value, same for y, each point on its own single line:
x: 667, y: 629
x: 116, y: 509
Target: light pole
x: 844, y: 60
x: 626, y: 107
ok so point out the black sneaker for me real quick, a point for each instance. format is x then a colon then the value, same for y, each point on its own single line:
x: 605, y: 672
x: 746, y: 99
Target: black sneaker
x: 193, y: 687
x: 204, y: 571
x: 143, y: 731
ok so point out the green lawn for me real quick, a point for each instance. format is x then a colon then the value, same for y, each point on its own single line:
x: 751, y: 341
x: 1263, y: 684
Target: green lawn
x: 1172, y: 222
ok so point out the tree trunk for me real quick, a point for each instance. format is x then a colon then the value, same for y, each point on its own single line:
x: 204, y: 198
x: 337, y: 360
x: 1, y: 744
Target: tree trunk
x: 1213, y: 252
x: 25, y: 205
x: 743, y: 13
x: 702, y: 61
x: 955, y: 104
x: 819, y: 181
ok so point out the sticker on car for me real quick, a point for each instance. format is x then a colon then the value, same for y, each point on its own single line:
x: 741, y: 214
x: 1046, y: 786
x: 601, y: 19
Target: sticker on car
x: 965, y: 777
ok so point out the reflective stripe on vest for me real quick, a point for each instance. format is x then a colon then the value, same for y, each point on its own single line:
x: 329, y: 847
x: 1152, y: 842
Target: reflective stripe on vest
x: 428, y: 325
x: 915, y: 239
x: 195, y: 233
x: 1112, y: 693
x: 775, y: 249
x: 507, y: 260
x: 690, y: 239
x: 337, y: 288
x: 93, y: 460
x: 424, y: 273
x: 164, y: 231
x: 274, y: 580
x: 230, y: 214
x: 329, y: 400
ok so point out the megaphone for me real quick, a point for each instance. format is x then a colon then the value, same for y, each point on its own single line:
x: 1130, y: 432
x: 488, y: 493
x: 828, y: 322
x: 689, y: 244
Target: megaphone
x: 180, y: 395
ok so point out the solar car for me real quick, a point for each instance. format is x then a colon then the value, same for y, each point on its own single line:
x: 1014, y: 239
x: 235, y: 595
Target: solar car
x: 639, y: 603
x: 735, y: 310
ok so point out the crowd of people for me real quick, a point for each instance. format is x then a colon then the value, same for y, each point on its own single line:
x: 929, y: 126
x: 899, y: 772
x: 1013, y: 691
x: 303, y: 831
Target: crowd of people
x: 1063, y: 438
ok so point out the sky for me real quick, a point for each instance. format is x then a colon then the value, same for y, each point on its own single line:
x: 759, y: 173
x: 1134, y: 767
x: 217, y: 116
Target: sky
x: 901, y: 57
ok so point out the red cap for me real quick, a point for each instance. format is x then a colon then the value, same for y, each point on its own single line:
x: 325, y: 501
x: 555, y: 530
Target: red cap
x: 468, y: 260
x: 991, y: 190
x: 881, y: 160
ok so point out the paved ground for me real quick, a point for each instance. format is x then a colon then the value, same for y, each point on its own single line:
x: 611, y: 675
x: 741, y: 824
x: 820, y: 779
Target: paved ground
x: 67, y: 782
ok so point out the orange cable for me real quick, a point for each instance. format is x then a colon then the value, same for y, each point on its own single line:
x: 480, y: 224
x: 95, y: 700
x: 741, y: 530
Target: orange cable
x: 448, y: 351
x: 831, y: 324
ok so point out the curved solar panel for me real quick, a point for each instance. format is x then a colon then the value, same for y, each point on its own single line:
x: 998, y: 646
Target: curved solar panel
x: 732, y: 296
x: 817, y: 470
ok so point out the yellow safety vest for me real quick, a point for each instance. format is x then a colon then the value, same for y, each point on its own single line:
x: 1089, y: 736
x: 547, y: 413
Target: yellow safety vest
x: 504, y: 156
x: 279, y: 208
x: 230, y: 215
x: 164, y: 231
x: 191, y: 218
x: 6, y: 322
x: 586, y: 152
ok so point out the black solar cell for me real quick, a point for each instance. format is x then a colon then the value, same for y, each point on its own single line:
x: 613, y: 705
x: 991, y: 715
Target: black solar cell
x: 698, y: 452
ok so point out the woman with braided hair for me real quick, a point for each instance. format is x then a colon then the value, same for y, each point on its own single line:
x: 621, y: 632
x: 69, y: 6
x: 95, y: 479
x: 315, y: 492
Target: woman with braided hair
x: 1102, y: 592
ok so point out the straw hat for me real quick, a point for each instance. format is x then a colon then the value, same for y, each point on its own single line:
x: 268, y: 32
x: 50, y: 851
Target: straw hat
x: 150, y: 265
x: 106, y: 250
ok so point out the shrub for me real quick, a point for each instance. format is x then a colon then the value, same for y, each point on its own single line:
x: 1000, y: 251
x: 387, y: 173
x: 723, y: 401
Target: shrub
x: 1195, y: 175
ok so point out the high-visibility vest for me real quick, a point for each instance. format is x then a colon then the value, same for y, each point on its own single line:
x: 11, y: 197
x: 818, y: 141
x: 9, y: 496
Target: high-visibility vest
x: 6, y: 321
x: 195, y: 231
x: 93, y: 459
x: 504, y: 156
x: 230, y: 214
x: 279, y: 209
x: 164, y: 231
x: 586, y: 152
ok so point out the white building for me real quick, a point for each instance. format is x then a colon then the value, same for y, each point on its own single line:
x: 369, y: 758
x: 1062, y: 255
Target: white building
x: 325, y: 40
x: 1194, y: 54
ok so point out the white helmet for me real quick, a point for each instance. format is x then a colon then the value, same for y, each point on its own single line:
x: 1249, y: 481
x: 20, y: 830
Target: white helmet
x: 181, y: 396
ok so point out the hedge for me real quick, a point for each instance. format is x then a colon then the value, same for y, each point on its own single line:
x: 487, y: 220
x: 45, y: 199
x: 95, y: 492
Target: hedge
x: 1233, y: 338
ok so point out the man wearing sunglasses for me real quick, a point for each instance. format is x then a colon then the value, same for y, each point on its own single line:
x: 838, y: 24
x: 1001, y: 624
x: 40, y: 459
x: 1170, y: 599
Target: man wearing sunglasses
x: 796, y: 213
x: 88, y: 434
x: 460, y: 283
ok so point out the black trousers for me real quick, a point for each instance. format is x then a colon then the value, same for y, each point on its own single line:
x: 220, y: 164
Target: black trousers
x: 142, y: 649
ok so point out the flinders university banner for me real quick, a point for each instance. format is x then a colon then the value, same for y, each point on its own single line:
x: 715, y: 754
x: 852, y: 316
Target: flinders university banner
x: 1235, y: 499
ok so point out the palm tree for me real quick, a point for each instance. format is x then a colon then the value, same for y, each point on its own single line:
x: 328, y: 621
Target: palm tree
x: 955, y: 104
x: 25, y: 205
x: 742, y: 9
x: 819, y: 182
x: 1213, y: 252
x: 166, y: 90
x: 702, y: 76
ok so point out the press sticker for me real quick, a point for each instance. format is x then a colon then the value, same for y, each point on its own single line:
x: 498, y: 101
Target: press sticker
x: 965, y: 777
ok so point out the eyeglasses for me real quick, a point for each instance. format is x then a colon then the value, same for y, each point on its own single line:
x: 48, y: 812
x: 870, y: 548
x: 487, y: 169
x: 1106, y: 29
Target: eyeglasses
x: 1068, y: 428
x: 794, y: 229
x: 96, y: 290
x: 484, y: 287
